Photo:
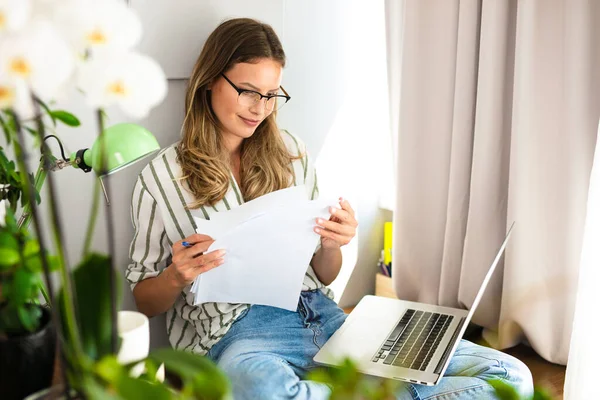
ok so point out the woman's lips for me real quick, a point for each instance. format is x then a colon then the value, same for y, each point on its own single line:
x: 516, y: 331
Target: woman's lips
x: 249, y: 122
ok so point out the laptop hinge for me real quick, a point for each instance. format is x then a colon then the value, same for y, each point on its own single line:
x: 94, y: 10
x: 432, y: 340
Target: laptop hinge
x: 446, y: 354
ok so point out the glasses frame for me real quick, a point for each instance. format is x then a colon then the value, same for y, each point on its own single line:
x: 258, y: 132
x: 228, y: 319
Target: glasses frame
x: 285, y: 96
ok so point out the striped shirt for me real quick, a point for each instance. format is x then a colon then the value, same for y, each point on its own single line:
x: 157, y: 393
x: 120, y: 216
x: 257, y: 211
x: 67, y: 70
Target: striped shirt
x: 160, y: 218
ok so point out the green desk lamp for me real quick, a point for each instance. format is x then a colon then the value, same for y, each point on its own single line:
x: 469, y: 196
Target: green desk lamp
x: 123, y: 144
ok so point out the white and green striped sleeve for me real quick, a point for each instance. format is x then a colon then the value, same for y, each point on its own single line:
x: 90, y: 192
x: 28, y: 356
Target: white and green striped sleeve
x: 149, y: 248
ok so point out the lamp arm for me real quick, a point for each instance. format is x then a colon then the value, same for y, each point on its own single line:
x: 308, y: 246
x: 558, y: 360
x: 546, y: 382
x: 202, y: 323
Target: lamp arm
x: 50, y: 164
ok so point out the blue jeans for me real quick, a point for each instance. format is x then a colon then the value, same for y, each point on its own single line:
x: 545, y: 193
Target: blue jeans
x: 268, y: 351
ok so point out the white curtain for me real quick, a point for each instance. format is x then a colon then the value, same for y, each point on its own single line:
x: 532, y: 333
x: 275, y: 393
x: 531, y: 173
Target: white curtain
x: 585, y: 352
x: 495, y: 105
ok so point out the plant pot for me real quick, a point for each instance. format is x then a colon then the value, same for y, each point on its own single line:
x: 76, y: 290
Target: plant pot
x: 27, y: 361
x: 56, y: 392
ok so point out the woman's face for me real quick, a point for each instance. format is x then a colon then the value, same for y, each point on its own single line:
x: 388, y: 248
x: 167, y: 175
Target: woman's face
x: 240, y: 122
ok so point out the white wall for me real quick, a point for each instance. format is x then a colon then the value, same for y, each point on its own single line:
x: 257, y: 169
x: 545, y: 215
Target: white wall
x: 336, y: 77
x: 338, y: 80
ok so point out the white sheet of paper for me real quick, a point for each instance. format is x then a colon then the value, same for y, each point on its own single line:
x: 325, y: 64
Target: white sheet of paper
x: 268, y: 250
x: 224, y: 221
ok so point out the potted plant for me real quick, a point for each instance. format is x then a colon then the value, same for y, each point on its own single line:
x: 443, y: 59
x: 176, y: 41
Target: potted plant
x: 90, y: 44
x: 27, y: 336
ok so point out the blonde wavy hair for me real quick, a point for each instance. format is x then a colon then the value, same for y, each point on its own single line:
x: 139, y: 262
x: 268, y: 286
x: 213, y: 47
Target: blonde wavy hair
x: 265, y: 161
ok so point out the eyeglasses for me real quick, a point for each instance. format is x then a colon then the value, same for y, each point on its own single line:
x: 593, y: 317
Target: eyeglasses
x: 249, y: 98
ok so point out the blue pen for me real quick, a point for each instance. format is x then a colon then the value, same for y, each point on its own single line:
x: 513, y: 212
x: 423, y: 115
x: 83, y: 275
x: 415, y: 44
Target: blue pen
x: 186, y: 244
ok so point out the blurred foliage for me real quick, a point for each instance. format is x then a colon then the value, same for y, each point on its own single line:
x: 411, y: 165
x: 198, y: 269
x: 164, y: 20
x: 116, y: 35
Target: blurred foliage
x: 20, y: 278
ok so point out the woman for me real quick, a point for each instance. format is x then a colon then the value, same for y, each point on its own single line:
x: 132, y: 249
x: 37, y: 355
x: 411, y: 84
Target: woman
x: 232, y: 152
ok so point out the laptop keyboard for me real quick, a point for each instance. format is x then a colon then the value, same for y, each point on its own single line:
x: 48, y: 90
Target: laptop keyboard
x: 414, y: 340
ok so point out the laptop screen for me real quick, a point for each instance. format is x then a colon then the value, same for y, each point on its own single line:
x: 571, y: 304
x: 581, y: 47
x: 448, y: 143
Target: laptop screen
x: 488, y: 276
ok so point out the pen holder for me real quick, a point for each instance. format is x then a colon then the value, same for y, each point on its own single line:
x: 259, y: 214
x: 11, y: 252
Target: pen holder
x: 383, y: 286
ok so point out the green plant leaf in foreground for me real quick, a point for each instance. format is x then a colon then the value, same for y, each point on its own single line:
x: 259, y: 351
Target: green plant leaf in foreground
x: 199, y: 373
x: 505, y: 391
x: 121, y: 384
x: 347, y: 382
x: 92, y: 287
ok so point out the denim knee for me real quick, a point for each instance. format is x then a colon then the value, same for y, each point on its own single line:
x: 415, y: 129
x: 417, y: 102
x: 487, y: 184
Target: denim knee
x: 519, y: 376
x: 510, y: 369
x: 265, y: 377
x: 250, y: 381
x: 488, y: 364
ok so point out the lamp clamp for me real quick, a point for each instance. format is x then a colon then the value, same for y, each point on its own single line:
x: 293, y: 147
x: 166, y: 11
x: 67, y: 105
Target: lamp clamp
x: 79, y: 161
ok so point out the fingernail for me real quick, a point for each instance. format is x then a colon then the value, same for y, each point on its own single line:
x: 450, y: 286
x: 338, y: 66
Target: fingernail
x: 333, y: 210
x: 317, y: 230
x: 341, y: 199
x: 221, y: 253
x: 319, y: 221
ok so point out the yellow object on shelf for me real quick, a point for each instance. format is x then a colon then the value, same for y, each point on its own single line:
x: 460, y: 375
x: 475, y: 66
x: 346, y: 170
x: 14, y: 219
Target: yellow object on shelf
x: 387, y: 243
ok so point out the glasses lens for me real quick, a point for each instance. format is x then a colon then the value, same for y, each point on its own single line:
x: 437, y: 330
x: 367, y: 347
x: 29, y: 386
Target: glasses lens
x: 248, y: 99
x: 275, y: 103
x: 271, y: 104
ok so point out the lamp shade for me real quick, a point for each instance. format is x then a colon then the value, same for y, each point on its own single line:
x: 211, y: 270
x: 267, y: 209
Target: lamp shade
x: 123, y: 145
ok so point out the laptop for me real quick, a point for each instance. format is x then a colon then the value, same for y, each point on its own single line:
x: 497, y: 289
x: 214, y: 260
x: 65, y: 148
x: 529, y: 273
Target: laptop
x: 402, y: 340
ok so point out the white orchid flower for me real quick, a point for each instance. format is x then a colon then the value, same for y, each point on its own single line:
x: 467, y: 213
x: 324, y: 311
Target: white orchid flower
x: 134, y: 82
x: 98, y: 25
x: 35, y: 60
x: 14, y: 14
x: 17, y: 97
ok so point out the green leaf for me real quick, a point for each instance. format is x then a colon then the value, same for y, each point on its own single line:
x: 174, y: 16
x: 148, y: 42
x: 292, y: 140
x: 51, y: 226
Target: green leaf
x: 36, y: 194
x: 92, y: 286
x: 541, y: 394
x: 132, y: 388
x: 109, y: 369
x: 30, y: 316
x: 34, y: 264
x: 31, y: 248
x: 31, y: 130
x: 8, y: 241
x: 8, y: 257
x: 65, y: 117
x: 5, y: 129
x: 117, y: 377
x: 207, y: 380
x: 9, y: 318
x: 10, y: 222
x: 95, y: 391
x: 504, y: 390
x: 24, y: 286
x: 150, y: 372
x: 19, y: 319
x: 53, y: 262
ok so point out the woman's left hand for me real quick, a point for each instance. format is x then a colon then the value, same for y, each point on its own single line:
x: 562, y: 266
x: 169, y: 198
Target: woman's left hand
x: 340, y: 229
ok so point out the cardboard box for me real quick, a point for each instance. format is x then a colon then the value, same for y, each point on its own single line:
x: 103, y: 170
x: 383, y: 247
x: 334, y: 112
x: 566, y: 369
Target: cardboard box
x: 383, y: 286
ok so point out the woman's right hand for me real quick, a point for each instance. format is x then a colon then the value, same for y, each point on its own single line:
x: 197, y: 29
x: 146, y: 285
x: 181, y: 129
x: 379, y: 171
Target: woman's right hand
x: 189, y: 262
